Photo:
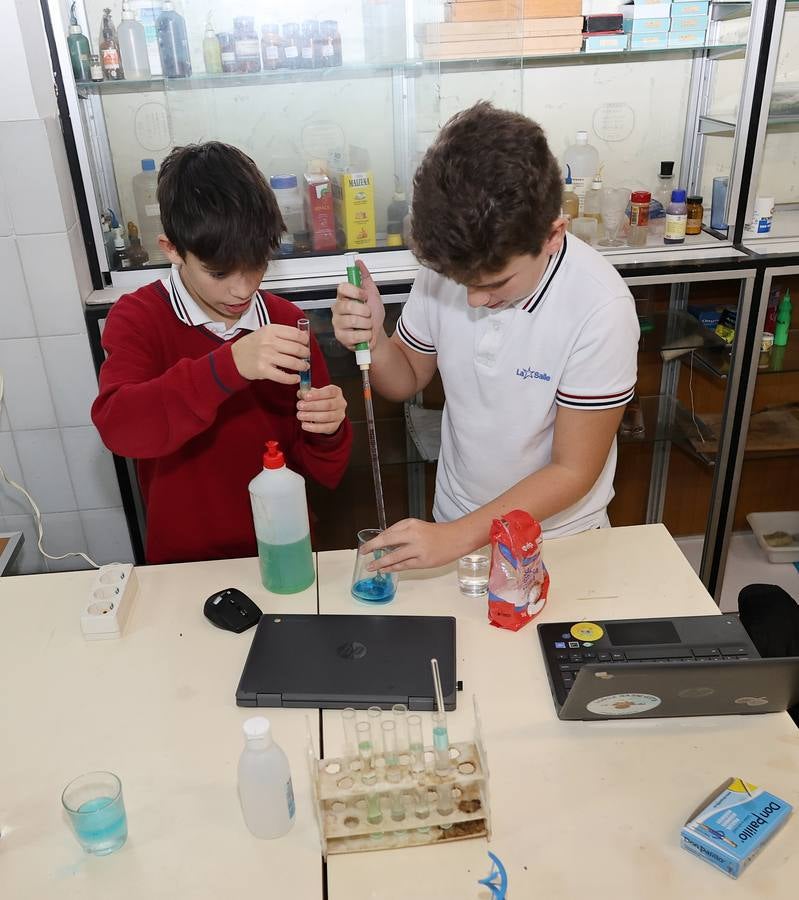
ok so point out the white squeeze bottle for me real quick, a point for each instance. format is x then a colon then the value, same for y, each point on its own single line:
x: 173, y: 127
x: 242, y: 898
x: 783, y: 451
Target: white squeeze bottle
x: 145, y: 195
x: 583, y: 160
x: 265, y: 790
x: 133, y: 45
x: 280, y: 516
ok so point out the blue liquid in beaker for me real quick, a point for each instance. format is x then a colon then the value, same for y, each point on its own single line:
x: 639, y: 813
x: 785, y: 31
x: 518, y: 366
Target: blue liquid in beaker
x: 101, y: 825
x: 378, y: 589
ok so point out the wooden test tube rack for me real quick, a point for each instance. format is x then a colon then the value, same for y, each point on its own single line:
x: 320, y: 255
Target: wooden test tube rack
x: 341, y: 800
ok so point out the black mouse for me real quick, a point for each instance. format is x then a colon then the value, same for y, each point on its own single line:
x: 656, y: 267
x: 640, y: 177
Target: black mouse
x: 232, y: 610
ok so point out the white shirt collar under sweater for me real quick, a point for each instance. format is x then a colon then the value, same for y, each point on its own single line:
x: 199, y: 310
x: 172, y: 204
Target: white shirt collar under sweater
x: 189, y: 312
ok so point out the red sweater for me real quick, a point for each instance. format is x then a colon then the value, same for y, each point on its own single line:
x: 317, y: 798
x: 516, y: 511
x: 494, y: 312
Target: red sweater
x: 172, y: 399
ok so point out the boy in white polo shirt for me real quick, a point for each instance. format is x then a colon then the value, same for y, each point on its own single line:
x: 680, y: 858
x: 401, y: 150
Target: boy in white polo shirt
x: 534, y: 333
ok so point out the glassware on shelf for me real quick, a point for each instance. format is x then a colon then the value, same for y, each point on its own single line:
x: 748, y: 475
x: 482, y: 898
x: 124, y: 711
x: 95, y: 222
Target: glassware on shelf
x: 271, y: 45
x: 292, y: 46
x: 613, y: 207
x: 247, y: 45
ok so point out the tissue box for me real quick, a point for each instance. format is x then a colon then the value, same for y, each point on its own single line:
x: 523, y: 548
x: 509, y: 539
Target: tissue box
x: 731, y: 826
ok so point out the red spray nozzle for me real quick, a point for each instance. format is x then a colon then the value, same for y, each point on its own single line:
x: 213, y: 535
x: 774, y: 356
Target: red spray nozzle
x: 273, y: 458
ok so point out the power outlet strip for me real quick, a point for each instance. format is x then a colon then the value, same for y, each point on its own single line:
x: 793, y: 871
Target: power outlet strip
x: 110, y: 599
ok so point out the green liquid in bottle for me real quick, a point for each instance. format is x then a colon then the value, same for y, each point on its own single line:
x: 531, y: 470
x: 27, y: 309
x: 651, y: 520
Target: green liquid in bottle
x: 286, y: 568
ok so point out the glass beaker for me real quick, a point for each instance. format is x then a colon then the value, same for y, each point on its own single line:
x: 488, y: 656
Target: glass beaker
x: 96, y: 812
x: 613, y: 206
x: 371, y: 587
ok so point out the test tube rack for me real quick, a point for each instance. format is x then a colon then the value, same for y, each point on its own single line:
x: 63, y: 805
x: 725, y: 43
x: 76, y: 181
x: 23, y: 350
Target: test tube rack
x: 343, y: 803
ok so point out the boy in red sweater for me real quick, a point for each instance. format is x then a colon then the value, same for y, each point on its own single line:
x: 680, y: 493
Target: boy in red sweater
x: 202, y: 368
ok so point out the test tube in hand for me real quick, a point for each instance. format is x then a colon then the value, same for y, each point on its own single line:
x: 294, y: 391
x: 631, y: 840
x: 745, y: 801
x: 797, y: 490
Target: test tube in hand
x: 305, y: 377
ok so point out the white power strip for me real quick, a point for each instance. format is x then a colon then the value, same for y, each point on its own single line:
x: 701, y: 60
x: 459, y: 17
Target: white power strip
x: 110, y: 599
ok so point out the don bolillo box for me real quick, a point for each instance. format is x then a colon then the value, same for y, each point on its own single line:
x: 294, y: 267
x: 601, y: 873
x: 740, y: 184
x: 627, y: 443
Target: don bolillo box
x: 731, y: 826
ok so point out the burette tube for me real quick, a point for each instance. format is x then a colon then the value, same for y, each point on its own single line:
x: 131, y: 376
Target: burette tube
x: 363, y: 358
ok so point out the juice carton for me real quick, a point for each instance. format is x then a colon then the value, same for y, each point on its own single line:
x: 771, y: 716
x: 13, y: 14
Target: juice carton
x: 319, y: 212
x: 354, y: 199
x: 518, y: 582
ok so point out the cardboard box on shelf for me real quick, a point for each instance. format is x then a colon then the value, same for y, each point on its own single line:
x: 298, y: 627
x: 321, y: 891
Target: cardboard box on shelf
x: 489, y: 10
x: 319, y: 211
x: 516, y: 46
x: 354, y: 203
x: 440, y: 32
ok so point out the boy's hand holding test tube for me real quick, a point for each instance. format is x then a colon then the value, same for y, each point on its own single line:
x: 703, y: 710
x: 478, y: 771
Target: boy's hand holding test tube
x: 281, y: 353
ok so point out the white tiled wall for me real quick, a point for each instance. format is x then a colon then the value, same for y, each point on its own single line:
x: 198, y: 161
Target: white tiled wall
x: 47, y: 441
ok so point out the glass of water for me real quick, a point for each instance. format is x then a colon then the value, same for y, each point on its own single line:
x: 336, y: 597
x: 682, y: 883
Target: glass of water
x: 473, y: 575
x: 96, y: 812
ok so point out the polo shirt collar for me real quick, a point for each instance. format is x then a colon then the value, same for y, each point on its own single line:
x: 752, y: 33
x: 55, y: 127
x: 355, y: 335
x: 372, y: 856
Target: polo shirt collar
x: 190, y: 313
x: 529, y: 305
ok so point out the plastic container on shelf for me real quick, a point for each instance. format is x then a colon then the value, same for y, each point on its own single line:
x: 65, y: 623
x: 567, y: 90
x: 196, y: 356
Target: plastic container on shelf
x: 639, y: 218
x: 592, y: 207
x: 661, y: 197
x: 289, y: 199
x: 265, y: 790
x: 133, y: 46
x: 212, y: 52
x: 777, y: 533
x: 676, y: 219
x: 582, y: 160
x: 280, y: 516
x: 173, y: 43
x: 570, y: 202
x: 148, y: 213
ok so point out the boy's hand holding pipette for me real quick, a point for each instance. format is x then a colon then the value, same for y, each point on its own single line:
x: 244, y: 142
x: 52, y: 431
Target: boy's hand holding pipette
x: 358, y: 312
x: 269, y: 350
x: 321, y: 410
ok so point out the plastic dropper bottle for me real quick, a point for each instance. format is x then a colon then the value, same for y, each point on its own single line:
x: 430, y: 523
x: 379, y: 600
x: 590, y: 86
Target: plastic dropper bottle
x: 265, y: 790
x: 133, y: 45
x: 80, y: 53
x: 280, y: 516
x: 783, y: 321
x: 569, y: 202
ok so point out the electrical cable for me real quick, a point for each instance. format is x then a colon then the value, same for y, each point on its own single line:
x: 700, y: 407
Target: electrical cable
x: 36, y: 512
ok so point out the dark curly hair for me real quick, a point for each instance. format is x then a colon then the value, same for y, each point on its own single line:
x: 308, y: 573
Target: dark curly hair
x: 488, y: 189
x: 216, y: 204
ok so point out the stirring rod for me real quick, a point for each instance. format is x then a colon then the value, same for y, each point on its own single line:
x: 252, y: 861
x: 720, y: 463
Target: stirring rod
x: 440, y: 733
x: 363, y: 358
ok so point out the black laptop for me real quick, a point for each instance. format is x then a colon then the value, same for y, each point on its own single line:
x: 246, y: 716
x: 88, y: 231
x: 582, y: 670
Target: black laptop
x: 331, y: 662
x: 656, y: 668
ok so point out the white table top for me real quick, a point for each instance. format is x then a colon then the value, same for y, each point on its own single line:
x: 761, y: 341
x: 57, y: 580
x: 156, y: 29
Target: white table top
x: 157, y: 708
x: 579, y: 809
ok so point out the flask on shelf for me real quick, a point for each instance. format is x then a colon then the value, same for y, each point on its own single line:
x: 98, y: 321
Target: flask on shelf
x: 676, y: 219
x: 173, y: 43
x: 212, y: 53
x: 569, y: 202
x: 583, y: 161
x: 80, y: 53
x: 145, y: 196
x: 661, y: 198
x: 133, y: 45
x: 783, y: 325
x: 265, y: 790
x: 592, y: 208
x: 280, y: 516
x: 109, y: 49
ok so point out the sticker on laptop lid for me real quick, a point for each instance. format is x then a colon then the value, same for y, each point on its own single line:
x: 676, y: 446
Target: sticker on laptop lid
x: 623, y: 704
x: 586, y: 631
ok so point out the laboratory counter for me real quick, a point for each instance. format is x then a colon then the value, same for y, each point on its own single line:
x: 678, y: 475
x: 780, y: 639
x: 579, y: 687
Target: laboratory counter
x: 578, y: 809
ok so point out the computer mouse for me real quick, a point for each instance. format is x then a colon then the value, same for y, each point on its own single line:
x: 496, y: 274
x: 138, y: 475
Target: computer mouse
x: 231, y: 610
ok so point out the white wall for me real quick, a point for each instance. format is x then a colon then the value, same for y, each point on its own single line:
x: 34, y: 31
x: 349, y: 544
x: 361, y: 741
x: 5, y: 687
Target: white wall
x: 47, y: 441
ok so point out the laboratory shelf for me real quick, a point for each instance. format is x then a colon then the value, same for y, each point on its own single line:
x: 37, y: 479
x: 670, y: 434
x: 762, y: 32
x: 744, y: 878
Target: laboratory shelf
x: 778, y: 361
x: 650, y: 420
x: 410, y: 68
x: 723, y: 123
x: 674, y: 332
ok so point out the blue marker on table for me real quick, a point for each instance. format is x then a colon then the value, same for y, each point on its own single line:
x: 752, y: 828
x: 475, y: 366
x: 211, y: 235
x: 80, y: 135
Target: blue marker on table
x: 305, y: 377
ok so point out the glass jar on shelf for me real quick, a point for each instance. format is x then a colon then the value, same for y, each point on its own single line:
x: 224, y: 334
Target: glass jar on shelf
x: 311, y: 57
x: 247, y: 47
x: 271, y: 46
x: 330, y: 41
x: 292, y: 46
x: 227, y: 51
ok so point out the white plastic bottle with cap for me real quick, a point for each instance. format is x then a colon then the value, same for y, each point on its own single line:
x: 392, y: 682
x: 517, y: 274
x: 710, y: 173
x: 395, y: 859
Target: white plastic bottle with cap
x: 265, y: 790
x: 583, y: 160
x: 280, y: 516
x: 145, y: 195
x: 133, y: 45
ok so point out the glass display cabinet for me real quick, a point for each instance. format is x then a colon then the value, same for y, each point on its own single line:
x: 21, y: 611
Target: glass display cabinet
x: 337, y: 102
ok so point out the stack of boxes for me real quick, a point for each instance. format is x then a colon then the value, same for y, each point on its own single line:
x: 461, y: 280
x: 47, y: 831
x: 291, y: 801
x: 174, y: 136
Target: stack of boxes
x: 655, y: 25
x: 477, y: 29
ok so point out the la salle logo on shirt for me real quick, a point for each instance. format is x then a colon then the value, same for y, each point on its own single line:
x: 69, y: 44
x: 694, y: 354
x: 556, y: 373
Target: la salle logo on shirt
x: 529, y: 372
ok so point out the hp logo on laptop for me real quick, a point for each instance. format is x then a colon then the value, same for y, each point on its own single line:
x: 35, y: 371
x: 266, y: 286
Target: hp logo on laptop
x: 352, y: 650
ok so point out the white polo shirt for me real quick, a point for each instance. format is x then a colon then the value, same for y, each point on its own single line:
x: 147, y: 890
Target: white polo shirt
x: 573, y: 343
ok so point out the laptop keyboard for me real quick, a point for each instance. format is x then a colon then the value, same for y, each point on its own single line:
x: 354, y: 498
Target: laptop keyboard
x: 571, y: 661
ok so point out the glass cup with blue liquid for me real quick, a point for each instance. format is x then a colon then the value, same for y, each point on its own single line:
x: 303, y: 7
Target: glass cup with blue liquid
x: 96, y: 812
x: 372, y: 587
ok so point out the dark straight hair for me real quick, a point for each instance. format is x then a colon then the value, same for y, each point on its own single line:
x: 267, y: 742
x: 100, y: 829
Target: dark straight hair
x: 216, y: 204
